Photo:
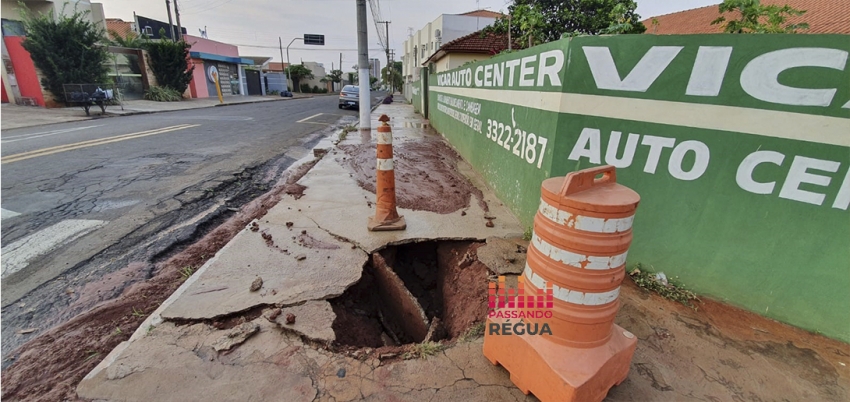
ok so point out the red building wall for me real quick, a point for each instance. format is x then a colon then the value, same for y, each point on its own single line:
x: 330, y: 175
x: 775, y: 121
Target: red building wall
x: 24, y: 69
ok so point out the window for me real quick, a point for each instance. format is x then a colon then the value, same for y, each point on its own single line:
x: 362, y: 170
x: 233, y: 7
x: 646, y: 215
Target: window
x: 13, y: 28
x: 148, y: 31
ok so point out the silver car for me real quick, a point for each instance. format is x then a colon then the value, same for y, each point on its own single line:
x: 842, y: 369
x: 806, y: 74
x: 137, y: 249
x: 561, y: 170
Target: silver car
x: 349, y: 96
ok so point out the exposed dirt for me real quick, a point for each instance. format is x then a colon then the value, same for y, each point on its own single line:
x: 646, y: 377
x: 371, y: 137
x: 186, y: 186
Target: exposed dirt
x: 463, y: 285
x: 721, y: 352
x: 426, y: 175
x: 79, y: 344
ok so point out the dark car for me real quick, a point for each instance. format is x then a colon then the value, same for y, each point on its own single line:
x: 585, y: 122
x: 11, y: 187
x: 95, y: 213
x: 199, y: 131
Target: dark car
x: 349, y: 96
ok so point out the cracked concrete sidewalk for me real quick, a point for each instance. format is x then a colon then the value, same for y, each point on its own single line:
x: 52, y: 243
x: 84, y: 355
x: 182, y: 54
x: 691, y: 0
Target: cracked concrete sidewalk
x: 310, y: 249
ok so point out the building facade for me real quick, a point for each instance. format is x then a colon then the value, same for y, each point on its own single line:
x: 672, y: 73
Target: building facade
x: 445, y: 28
x: 21, y: 80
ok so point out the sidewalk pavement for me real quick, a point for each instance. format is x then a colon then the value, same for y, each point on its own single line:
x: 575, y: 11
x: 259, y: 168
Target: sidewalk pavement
x: 15, y: 116
x: 312, y: 247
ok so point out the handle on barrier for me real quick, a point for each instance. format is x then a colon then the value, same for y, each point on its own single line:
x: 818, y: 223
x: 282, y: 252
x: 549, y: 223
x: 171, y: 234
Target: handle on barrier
x: 582, y: 180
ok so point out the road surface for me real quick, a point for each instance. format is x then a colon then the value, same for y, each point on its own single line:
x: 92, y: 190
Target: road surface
x: 82, y: 199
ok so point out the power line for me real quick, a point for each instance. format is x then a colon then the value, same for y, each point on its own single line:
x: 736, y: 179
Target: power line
x: 305, y: 48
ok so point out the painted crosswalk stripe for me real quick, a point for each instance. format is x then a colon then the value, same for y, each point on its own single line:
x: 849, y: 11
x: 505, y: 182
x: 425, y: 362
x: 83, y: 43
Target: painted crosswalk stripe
x: 18, y: 255
x: 6, y: 214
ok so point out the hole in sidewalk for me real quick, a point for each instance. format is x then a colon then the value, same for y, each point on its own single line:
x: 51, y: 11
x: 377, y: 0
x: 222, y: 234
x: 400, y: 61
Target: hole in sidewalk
x: 427, y: 291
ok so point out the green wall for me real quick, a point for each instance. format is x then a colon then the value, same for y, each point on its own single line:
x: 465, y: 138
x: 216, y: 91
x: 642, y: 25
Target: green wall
x: 416, y: 90
x: 738, y: 144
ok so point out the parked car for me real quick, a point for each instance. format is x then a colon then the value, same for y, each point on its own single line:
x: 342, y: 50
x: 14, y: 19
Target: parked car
x: 349, y: 96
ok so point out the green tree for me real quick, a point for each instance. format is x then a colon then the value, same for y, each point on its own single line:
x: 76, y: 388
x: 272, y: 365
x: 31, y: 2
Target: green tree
x: 169, y: 62
x: 132, y: 40
x: 335, y: 76
x: 540, y: 21
x: 396, y: 79
x: 758, y: 18
x: 66, y: 50
x: 297, y: 73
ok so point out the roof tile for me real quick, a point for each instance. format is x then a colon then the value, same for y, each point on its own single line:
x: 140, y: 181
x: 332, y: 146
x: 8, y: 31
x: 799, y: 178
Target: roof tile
x: 823, y: 16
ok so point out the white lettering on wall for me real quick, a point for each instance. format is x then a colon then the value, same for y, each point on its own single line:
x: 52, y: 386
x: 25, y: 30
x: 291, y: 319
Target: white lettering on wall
x: 511, y: 65
x: 478, y: 81
x: 702, y: 156
x: 551, y: 71
x: 744, y: 176
x: 842, y: 200
x: 709, y: 70
x: 656, y: 146
x: 527, y: 70
x: 799, y: 174
x: 587, y: 146
x: 647, y: 70
x: 760, y: 77
x: 628, y: 152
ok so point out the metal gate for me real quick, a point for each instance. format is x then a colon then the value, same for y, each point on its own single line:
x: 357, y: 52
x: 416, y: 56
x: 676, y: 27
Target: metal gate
x: 252, y: 77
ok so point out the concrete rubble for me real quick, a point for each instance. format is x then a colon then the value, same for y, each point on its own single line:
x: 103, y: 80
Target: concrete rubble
x: 277, y: 349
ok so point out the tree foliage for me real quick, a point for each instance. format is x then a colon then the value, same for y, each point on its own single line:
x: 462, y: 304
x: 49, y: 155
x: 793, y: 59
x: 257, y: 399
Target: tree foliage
x: 66, y: 50
x: 540, y: 21
x: 758, y: 18
x: 395, y: 74
x: 297, y: 73
x: 334, y: 76
x: 132, y: 40
x: 169, y: 62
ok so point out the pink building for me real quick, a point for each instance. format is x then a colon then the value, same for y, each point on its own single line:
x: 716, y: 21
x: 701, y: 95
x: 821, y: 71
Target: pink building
x: 209, y: 57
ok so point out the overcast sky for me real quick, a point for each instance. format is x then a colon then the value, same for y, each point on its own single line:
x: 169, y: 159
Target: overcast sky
x: 261, y: 22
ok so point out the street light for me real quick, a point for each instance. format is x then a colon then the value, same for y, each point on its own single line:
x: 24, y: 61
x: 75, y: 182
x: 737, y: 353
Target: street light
x: 309, y: 39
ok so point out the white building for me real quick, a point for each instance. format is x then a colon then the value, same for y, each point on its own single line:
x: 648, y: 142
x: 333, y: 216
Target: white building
x: 447, y: 27
x: 375, y: 68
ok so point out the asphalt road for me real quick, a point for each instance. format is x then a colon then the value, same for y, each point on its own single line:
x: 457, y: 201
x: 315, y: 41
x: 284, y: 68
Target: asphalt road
x: 83, y: 199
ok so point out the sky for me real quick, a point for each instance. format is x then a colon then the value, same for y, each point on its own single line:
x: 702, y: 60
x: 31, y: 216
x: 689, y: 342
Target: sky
x: 256, y: 25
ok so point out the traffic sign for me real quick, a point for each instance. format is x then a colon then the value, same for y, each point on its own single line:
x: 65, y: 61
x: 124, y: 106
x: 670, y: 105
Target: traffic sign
x: 312, y: 39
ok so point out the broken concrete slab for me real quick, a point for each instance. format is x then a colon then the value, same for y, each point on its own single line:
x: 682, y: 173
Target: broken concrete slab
x: 503, y: 256
x: 397, y: 302
x: 312, y: 320
x: 223, y: 286
x: 235, y: 336
x: 347, y: 216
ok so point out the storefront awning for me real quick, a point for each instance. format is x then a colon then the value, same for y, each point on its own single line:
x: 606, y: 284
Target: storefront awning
x: 215, y: 57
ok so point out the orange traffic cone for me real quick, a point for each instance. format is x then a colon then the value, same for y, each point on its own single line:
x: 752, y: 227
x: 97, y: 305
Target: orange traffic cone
x: 582, y: 232
x: 386, y: 216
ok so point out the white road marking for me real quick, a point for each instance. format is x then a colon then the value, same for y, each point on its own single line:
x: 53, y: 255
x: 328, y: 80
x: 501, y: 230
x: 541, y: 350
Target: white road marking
x: 304, y: 120
x: 17, y: 255
x: 24, y: 137
x: 6, y: 214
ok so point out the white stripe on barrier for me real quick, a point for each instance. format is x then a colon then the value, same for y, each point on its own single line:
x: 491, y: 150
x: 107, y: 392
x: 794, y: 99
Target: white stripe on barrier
x: 577, y: 260
x: 572, y: 296
x: 385, y: 164
x: 385, y: 138
x: 585, y: 223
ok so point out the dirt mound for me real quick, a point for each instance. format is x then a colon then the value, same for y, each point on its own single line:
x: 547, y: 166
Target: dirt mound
x: 426, y: 175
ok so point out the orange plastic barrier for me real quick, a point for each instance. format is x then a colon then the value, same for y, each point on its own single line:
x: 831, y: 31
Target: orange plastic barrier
x: 582, y: 232
x: 386, y: 216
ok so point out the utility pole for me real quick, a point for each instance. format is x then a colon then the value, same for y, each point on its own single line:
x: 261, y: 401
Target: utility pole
x: 280, y: 43
x: 179, y: 27
x: 170, y: 23
x: 288, y: 66
x: 363, y: 68
x: 387, y: 50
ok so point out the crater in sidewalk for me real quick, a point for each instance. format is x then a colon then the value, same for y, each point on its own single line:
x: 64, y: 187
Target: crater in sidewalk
x: 413, y: 293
